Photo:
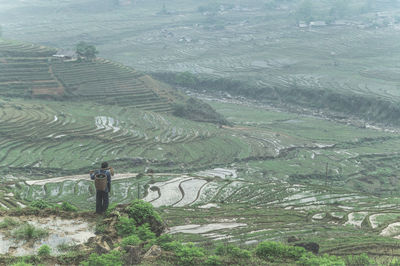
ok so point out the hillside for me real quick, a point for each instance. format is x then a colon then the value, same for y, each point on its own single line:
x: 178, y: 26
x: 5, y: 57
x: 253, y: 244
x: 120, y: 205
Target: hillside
x: 28, y: 70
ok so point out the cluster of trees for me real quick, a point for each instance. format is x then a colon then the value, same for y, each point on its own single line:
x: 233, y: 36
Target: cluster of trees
x: 86, y: 51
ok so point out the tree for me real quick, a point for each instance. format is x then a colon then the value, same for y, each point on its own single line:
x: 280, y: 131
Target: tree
x: 86, y: 50
x: 304, y: 11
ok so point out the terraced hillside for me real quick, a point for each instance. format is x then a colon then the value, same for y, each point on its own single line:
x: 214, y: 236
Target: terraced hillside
x: 31, y: 71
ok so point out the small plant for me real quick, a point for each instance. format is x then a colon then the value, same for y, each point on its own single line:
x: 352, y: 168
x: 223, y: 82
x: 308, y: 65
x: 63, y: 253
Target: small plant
x: 163, y: 239
x: 100, y: 228
x: 145, y: 233
x: 21, y: 264
x: 132, y: 240
x: 44, y: 251
x: 213, y: 261
x: 325, y: 260
x: 276, y: 251
x: 9, y: 223
x: 28, y: 232
x: 114, y: 258
x: 189, y: 254
x: 354, y: 260
x: 125, y: 226
x: 65, y: 206
x: 143, y: 212
x: 40, y: 204
x: 232, y: 251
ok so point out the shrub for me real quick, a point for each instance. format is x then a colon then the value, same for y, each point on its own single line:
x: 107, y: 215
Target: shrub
x: 44, y: 250
x: 395, y: 262
x: 125, y: 226
x: 143, y: 212
x: 8, y: 223
x: 28, y: 232
x: 326, y: 260
x: 132, y: 240
x: 65, y: 206
x: 163, y: 239
x: 232, y: 251
x: 189, y: 254
x: 114, y: 258
x: 354, y: 260
x: 213, y: 261
x: 171, y: 246
x: 276, y: 251
x: 145, y: 233
x: 40, y: 204
x: 21, y: 264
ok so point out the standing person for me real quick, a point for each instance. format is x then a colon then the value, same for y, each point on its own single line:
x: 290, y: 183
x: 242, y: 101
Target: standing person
x: 102, y: 178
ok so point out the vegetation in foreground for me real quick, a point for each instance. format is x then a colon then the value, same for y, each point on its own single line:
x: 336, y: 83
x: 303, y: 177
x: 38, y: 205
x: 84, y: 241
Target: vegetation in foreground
x: 140, y: 229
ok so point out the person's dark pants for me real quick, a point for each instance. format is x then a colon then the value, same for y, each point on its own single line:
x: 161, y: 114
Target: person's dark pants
x: 101, y: 201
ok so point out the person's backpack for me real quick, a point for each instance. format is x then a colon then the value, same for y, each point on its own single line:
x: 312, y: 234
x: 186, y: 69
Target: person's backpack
x: 100, y: 181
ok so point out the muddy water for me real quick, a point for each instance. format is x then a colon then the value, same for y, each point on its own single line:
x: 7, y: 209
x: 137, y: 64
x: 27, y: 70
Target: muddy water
x: 61, y: 232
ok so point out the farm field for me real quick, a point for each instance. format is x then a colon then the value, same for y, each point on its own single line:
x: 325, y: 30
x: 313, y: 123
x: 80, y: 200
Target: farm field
x: 309, y: 152
x: 349, y: 61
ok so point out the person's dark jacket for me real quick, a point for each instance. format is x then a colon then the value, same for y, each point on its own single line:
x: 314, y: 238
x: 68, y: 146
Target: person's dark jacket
x: 107, y: 173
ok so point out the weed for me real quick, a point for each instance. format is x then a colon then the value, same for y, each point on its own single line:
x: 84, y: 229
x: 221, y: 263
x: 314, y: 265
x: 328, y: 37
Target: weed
x: 40, y: 204
x: 143, y: 212
x: 44, y: 251
x: 213, y: 260
x: 132, y: 240
x: 354, y: 260
x: 125, y: 226
x: 65, y: 206
x: 145, y: 233
x: 325, y: 260
x: 28, y: 232
x: 9, y: 223
x: 114, y: 258
x: 232, y: 251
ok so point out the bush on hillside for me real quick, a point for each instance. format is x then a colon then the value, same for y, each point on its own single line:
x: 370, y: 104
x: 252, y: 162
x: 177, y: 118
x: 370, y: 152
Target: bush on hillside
x: 44, y: 251
x: 143, y: 212
x: 233, y: 251
x: 29, y: 232
x: 125, y: 226
x: 114, y: 258
x: 197, y: 110
x: 132, y: 240
x: 354, y: 260
x: 325, y: 260
x: 276, y: 251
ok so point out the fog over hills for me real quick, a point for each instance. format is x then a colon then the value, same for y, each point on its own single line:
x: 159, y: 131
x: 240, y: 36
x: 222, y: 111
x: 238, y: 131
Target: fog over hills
x: 248, y: 127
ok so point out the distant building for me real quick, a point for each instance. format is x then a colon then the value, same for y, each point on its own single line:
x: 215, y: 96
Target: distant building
x: 63, y: 54
x: 318, y: 23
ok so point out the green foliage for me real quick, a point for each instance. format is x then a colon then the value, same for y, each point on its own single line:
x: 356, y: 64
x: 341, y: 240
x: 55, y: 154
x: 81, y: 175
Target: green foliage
x: 9, y: 223
x: 21, y: 264
x: 232, y: 251
x: 125, y: 226
x: 44, y: 250
x: 28, y: 232
x: 114, y: 258
x: 163, y: 239
x: 132, y: 240
x: 213, y: 260
x: 171, y: 246
x: 276, y: 251
x: 197, y: 110
x: 354, y: 260
x: 189, y: 254
x: 325, y: 260
x: 40, y: 204
x: 144, y: 232
x: 395, y: 262
x: 65, y: 206
x: 85, y: 50
x: 143, y: 212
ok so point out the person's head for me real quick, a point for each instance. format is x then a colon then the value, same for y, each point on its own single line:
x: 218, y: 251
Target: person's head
x: 104, y: 165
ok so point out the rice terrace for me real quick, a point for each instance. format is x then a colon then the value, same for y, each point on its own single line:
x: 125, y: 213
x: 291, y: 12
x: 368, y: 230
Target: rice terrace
x: 257, y: 132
